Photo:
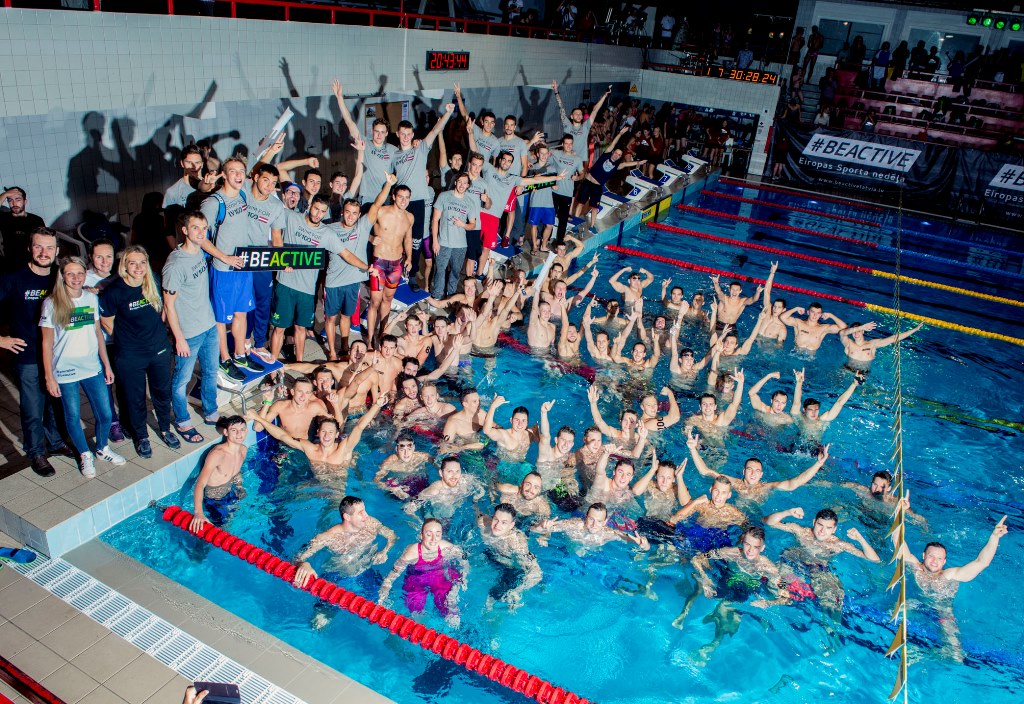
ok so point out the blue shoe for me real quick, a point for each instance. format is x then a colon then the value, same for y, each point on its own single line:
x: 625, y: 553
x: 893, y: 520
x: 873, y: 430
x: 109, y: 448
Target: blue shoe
x: 171, y: 440
x: 143, y: 448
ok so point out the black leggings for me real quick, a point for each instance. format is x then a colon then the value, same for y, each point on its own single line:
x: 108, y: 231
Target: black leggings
x: 133, y: 368
x: 562, y: 204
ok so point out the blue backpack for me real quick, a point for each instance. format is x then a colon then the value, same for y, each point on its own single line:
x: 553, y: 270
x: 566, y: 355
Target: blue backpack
x: 222, y: 212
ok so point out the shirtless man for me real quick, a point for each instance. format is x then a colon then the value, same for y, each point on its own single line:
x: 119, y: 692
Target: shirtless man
x: 712, y: 509
x: 632, y: 435
x: 663, y: 488
x: 697, y: 314
x: 343, y: 370
x: 379, y: 377
x: 860, y: 352
x: 432, y: 409
x: 878, y: 502
x: 568, y: 337
x: 557, y: 293
x: 818, y: 545
x: 587, y: 457
x: 461, y: 430
x: 613, y: 491
x: 730, y: 340
x: 509, y: 547
x: 557, y: 459
x: 219, y: 485
x: 392, y: 247
x: 731, y: 306
x: 413, y: 343
x: 808, y: 334
x: 527, y: 498
x: 674, y: 300
x: 407, y: 464
x: 565, y: 257
x: 750, y: 486
x: 776, y: 413
x: 709, y: 421
x: 541, y: 332
x: 773, y: 328
x: 296, y: 414
x: 349, y: 542
x: 941, y: 583
x: 649, y: 407
x: 493, y: 318
x: 592, y: 530
x: 812, y: 421
x: 408, y: 399
x: 514, y: 442
x: 632, y: 291
x: 448, y: 492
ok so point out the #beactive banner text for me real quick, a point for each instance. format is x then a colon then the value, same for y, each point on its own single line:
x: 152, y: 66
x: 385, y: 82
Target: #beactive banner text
x: 279, y: 258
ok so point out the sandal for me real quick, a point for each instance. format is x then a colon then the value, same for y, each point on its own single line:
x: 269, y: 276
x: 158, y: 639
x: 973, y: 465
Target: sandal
x: 189, y: 435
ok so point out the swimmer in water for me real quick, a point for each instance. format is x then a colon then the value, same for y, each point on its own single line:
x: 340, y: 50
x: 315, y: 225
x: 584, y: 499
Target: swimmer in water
x: 649, y: 407
x: 776, y: 413
x: 509, y: 547
x: 590, y: 531
x: 219, y: 487
x: 461, y: 430
x: 728, y: 344
x: 587, y: 457
x: 818, y: 545
x: 295, y: 414
x: 569, y: 338
x: 557, y: 458
x: 709, y: 421
x: 940, y: 583
x: 674, y: 301
x: 407, y: 463
x: 408, y: 398
x: 637, y: 361
x: 697, y: 314
x: 748, y: 572
x: 598, y: 345
x: 448, y: 492
x: 860, y: 352
x: 433, y: 568
x: 713, y: 509
x: 731, y: 306
x: 630, y: 436
x: 808, y: 334
x: 750, y: 486
x: 541, y: 331
x: 514, y: 442
x: 632, y: 291
x: 773, y: 328
x: 432, y: 409
x: 878, y: 500
x: 527, y: 498
x: 665, y: 492
x: 613, y: 491
x: 812, y: 421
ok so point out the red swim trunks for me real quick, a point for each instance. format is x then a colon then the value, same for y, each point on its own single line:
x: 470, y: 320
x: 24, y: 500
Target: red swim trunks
x: 390, y: 271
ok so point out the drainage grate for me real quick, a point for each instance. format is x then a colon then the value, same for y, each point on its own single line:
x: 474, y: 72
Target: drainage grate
x: 178, y: 650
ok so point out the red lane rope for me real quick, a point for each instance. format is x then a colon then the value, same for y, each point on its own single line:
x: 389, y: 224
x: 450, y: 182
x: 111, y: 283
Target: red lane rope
x: 25, y: 685
x: 770, y: 204
x: 759, y: 247
x: 795, y: 192
x: 777, y: 226
x: 449, y: 648
x: 740, y: 277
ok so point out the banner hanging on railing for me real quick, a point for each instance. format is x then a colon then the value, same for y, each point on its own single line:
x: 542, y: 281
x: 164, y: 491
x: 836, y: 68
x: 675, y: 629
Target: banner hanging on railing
x: 993, y: 182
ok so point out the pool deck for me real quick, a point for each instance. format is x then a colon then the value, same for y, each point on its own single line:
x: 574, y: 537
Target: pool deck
x: 81, y: 660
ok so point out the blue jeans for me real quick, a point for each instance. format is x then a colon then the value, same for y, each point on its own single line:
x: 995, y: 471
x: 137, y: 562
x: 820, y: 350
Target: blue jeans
x: 205, y: 348
x: 38, y: 422
x: 95, y: 388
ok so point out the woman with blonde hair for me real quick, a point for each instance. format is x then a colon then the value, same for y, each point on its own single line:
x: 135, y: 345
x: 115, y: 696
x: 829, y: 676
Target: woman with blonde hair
x: 131, y: 309
x: 75, y: 357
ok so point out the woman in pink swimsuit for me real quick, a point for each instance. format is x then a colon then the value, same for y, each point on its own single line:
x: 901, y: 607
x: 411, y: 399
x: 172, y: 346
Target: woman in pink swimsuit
x: 433, y: 567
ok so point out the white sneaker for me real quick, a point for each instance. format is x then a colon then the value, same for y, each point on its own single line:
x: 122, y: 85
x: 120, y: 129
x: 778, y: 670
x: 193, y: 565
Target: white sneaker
x: 110, y: 456
x: 88, y: 468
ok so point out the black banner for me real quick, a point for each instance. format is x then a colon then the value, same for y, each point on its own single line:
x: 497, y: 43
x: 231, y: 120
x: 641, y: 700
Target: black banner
x: 989, y: 183
x: 278, y: 258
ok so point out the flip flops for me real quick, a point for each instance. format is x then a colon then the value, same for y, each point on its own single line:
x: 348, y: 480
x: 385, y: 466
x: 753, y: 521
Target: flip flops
x: 19, y: 555
x: 189, y: 435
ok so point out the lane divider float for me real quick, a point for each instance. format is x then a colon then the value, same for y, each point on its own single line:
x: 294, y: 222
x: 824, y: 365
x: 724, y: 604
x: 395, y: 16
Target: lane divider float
x: 471, y: 659
x: 783, y: 206
x: 25, y: 685
x: 831, y: 262
x: 816, y: 294
x: 801, y: 194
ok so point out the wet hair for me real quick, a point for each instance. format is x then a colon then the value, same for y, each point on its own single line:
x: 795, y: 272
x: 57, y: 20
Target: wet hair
x: 625, y: 462
x: 448, y: 459
x: 934, y: 544
x: 320, y: 370
x: 778, y: 393
x: 735, y: 283
x: 301, y: 380
x: 754, y: 532
x: 402, y: 378
x: 225, y: 422
x: 782, y: 301
x: 591, y: 429
x: 882, y: 474
x: 855, y: 325
x: 521, y: 409
x: 346, y: 505
x: 110, y: 243
x: 506, y: 508
x: 597, y: 506
x: 566, y: 429
x: 400, y: 187
x: 826, y: 514
x: 533, y: 474
x: 388, y: 338
x: 357, y: 342
x: 753, y: 459
x: 811, y: 402
x: 701, y: 398
x: 321, y: 421
x: 410, y: 360
x: 404, y: 436
x: 685, y: 351
x: 815, y: 305
x: 267, y: 169
x: 668, y: 463
x: 676, y: 288
x: 466, y: 392
x: 732, y: 335
x: 429, y: 521
x: 722, y: 479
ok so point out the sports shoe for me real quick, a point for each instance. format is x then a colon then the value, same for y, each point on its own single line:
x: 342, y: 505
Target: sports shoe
x: 42, y: 467
x: 170, y: 439
x: 88, y: 467
x: 108, y: 455
x: 248, y: 363
x: 504, y: 242
x: 143, y: 448
x: 232, y: 372
x: 116, y: 432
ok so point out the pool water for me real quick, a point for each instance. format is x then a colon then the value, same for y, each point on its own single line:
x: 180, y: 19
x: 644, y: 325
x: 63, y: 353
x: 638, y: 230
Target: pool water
x: 581, y: 628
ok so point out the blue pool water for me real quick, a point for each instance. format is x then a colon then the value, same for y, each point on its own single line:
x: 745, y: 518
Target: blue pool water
x: 963, y: 452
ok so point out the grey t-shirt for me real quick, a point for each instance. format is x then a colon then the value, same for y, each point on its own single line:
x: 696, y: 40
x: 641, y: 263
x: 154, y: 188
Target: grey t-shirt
x: 264, y: 216
x: 579, y: 134
x: 187, y: 275
x: 299, y: 233
x: 234, y: 231
x: 452, y: 207
x: 377, y: 162
x: 178, y: 193
x: 499, y: 188
x: 486, y: 145
x: 572, y: 163
x: 354, y: 239
x: 411, y: 169
x: 541, y: 197
x: 516, y: 147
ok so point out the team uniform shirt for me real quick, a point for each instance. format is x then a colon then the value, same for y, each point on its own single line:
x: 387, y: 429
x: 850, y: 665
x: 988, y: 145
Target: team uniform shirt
x: 76, y: 353
x: 22, y: 293
x: 452, y: 207
x: 178, y: 193
x: 541, y: 197
x: 299, y: 233
x: 579, y: 133
x: 499, y: 188
x: 377, y: 162
x: 264, y: 216
x: 138, y: 327
x: 564, y: 161
x: 355, y: 239
x: 188, y: 276
x: 477, y: 188
x: 485, y: 144
x: 234, y: 231
x: 516, y: 147
x: 411, y: 168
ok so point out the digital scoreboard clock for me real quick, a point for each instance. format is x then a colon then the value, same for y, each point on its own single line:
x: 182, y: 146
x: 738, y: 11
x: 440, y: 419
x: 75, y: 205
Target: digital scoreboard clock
x: 447, y: 61
x: 735, y: 74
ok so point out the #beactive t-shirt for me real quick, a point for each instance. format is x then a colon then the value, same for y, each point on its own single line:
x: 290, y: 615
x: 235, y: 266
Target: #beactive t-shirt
x: 233, y: 232
x: 187, y: 275
x: 22, y: 293
x: 138, y: 327
x: 452, y: 207
x: 76, y: 354
x: 298, y: 232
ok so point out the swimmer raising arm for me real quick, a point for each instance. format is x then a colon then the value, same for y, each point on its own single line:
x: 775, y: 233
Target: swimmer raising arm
x: 808, y: 535
x: 935, y: 555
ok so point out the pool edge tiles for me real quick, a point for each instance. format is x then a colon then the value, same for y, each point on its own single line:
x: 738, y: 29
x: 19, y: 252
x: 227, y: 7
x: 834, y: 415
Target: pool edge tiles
x: 187, y: 633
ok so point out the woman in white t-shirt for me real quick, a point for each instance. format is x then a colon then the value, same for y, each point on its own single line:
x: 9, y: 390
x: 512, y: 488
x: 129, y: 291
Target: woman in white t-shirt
x: 75, y: 357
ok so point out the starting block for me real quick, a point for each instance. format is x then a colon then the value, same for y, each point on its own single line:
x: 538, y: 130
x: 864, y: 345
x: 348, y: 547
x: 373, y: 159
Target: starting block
x: 693, y: 162
x: 613, y: 202
x: 637, y: 179
x: 229, y: 389
x: 668, y: 168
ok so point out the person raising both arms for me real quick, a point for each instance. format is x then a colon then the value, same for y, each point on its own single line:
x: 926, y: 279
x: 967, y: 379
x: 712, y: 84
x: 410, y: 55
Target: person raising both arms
x: 773, y: 328
x: 813, y: 422
x: 633, y: 290
x: 709, y: 420
x: 588, y: 200
x: 861, y: 352
x: 731, y: 306
x: 774, y: 414
x: 808, y: 334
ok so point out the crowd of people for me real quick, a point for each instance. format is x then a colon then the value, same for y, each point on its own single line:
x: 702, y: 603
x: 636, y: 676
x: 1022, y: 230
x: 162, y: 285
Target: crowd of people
x: 112, y: 322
